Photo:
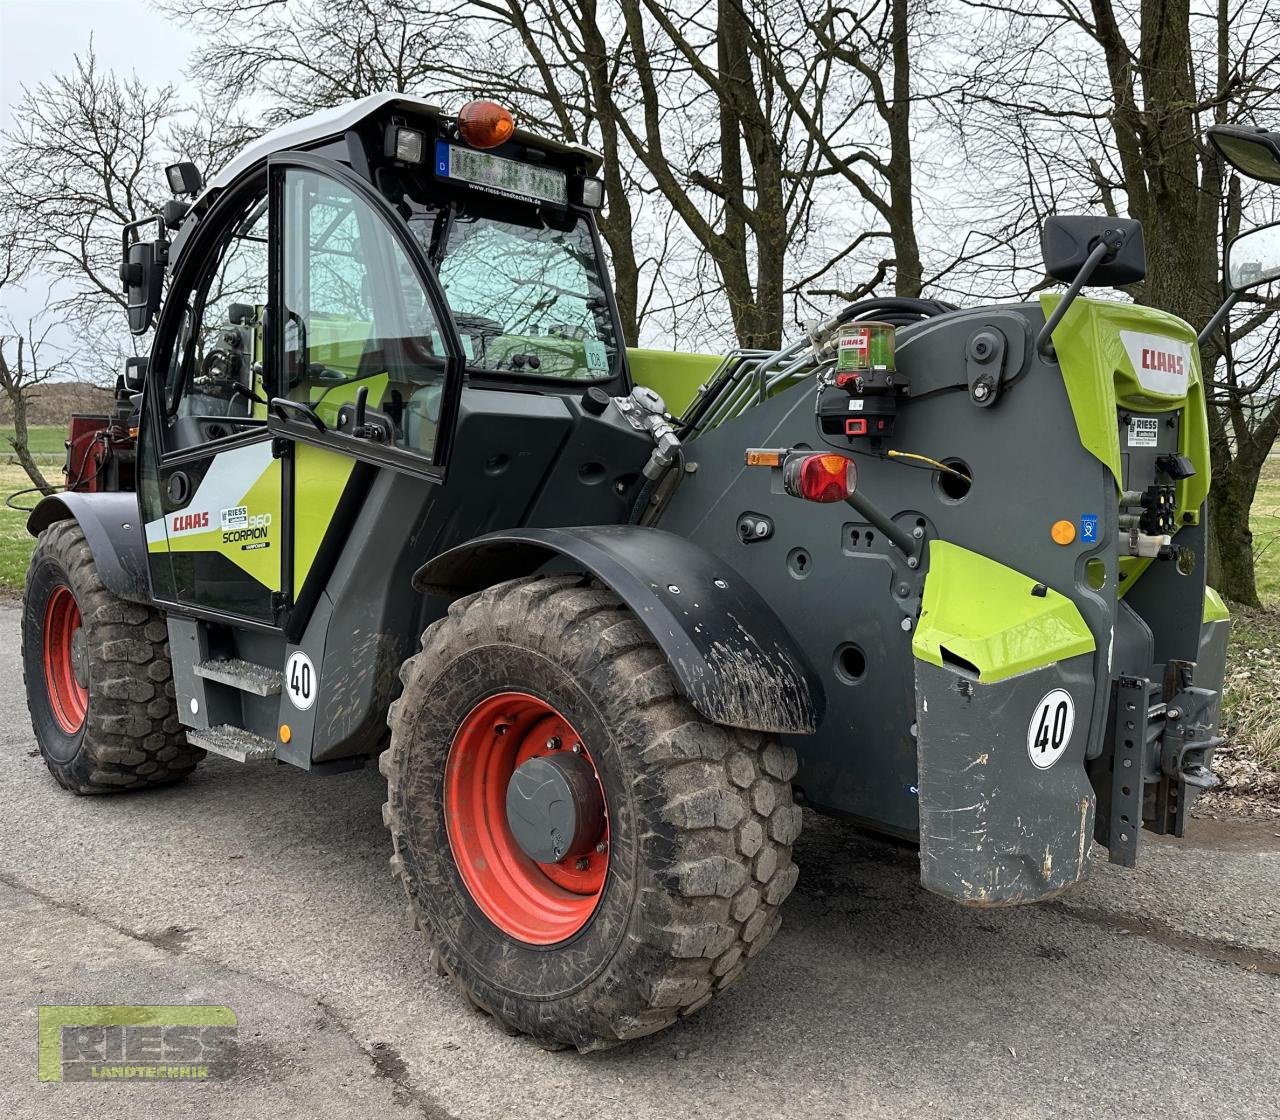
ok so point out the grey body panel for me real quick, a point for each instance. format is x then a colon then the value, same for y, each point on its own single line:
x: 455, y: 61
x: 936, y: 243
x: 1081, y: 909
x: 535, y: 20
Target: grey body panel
x: 112, y: 527
x: 731, y: 655
x: 862, y: 760
x: 994, y: 829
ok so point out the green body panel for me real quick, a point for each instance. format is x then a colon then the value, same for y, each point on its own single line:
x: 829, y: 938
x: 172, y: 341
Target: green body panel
x: 1100, y: 379
x: 319, y: 477
x: 1215, y: 610
x: 986, y: 614
x: 674, y: 377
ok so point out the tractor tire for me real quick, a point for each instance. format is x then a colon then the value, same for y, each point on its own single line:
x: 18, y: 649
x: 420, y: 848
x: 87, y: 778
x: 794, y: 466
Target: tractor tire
x: 97, y: 673
x: 687, y: 856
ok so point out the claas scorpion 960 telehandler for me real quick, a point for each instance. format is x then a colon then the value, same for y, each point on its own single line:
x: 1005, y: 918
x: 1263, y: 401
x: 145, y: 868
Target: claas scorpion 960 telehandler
x: 936, y: 570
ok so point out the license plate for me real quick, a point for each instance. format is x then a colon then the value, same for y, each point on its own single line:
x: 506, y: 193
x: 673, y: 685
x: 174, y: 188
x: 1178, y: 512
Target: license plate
x: 502, y: 176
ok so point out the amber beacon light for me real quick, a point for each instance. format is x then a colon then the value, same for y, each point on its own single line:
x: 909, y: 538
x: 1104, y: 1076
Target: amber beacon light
x: 485, y: 124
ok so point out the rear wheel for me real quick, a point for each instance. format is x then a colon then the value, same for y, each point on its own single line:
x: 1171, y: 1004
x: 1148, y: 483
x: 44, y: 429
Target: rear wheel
x: 97, y: 673
x: 587, y: 857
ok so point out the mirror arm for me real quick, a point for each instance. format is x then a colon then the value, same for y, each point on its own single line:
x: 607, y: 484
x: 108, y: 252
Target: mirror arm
x: 1218, y: 317
x: 1109, y: 244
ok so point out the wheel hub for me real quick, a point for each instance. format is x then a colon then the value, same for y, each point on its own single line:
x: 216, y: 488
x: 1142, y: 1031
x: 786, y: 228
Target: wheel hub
x: 66, y: 660
x: 554, y: 807
x: 527, y: 818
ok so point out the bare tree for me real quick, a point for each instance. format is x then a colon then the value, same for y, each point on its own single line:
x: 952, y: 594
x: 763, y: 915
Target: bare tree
x: 24, y: 366
x: 83, y: 158
x: 1109, y: 102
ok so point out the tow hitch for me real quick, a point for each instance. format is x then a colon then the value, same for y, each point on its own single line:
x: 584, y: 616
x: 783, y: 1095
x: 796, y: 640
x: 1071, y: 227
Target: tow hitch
x: 1156, y: 760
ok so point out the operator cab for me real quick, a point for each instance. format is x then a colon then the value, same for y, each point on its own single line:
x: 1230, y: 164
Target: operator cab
x: 515, y: 291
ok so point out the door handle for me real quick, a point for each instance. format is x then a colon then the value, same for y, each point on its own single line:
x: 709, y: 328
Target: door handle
x: 178, y: 489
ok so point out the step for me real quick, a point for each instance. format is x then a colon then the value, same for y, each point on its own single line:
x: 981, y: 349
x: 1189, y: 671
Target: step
x: 232, y: 742
x: 244, y: 675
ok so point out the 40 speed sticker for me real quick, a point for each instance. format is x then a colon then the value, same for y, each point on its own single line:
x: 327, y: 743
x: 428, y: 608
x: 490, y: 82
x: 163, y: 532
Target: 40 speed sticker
x: 1050, y: 728
x: 300, y: 680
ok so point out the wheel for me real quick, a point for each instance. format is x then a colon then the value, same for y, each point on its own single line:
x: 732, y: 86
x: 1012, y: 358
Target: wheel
x: 586, y: 856
x: 97, y: 673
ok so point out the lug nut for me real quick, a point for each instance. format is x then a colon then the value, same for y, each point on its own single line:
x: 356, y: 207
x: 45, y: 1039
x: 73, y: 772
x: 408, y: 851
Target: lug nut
x: 553, y: 744
x: 600, y: 848
x: 577, y: 748
x: 583, y: 863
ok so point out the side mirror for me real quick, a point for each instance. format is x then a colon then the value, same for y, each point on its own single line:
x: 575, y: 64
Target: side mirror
x: 1079, y: 250
x: 142, y: 274
x: 1068, y: 240
x: 1253, y: 258
x: 1254, y: 152
x: 135, y: 373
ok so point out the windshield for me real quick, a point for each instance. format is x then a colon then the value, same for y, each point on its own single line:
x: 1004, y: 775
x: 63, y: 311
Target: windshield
x: 526, y: 300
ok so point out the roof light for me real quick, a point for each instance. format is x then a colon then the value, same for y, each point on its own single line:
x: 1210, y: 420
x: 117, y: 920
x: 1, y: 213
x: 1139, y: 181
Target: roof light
x: 405, y: 144
x: 184, y: 178
x: 485, y: 124
x: 593, y: 193
x: 820, y: 478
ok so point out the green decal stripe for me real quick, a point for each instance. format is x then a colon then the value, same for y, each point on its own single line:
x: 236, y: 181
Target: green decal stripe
x: 985, y: 613
x: 319, y: 478
x: 1215, y: 610
x: 674, y: 377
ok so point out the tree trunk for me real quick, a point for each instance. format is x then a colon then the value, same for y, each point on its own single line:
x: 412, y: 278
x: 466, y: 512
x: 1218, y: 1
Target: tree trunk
x: 1231, y: 569
x: 18, y: 440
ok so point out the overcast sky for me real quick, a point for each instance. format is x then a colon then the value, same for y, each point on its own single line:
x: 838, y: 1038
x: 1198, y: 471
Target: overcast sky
x: 40, y: 38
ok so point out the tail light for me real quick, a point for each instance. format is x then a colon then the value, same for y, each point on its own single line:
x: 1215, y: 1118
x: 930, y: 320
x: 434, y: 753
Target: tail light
x: 819, y: 478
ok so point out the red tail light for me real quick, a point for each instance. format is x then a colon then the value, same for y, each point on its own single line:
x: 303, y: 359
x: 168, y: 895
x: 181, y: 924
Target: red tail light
x: 820, y: 478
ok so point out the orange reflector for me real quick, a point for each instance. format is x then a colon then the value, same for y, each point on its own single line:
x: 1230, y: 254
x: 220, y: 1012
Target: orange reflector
x: 763, y: 457
x: 1063, y: 532
x: 820, y: 478
x: 285, y: 733
x: 485, y: 124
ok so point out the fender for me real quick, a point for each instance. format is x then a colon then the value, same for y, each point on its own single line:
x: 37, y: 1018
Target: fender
x: 732, y: 657
x: 113, y: 528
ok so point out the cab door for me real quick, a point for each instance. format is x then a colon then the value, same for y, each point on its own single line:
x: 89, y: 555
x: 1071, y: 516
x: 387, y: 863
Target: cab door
x: 210, y: 485
x: 369, y: 364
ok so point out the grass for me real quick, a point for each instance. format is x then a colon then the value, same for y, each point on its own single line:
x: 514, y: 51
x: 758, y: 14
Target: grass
x: 45, y: 442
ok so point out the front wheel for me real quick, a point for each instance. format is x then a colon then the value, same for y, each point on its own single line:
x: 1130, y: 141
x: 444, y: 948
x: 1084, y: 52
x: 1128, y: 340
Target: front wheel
x: 97, y: 673
x: 587, y: 857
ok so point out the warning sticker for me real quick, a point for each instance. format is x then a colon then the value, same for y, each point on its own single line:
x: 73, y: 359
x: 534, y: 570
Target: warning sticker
x: 1143, y: 431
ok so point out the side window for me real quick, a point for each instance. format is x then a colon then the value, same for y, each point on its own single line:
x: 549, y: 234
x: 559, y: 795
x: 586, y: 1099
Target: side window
x: 215, y: 377
x: 356, y: 315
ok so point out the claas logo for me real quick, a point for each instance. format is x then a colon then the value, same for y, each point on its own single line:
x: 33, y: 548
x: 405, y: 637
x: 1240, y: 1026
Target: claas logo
x: 184, y: 521
x: 1163, y: 361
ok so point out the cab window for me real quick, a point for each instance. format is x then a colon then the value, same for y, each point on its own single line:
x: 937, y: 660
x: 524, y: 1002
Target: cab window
x: 214, y: 383
x: 356, y: 316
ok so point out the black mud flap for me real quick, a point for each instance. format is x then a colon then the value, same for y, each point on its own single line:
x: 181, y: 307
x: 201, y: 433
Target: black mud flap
x: 1006, y: 808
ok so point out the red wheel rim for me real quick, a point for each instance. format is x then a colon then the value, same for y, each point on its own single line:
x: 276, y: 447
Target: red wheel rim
x: 537, y: 903
x: 68, y: 697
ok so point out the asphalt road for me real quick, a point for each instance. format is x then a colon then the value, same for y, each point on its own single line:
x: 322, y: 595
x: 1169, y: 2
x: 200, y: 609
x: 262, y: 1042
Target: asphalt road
x: 1152, y: 993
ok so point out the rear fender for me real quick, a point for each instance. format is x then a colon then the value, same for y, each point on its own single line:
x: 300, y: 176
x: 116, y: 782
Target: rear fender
x: 730, y: 654
x: 113, y: 530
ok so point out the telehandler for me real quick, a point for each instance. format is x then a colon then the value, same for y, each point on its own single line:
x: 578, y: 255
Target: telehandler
x: 938, y: 571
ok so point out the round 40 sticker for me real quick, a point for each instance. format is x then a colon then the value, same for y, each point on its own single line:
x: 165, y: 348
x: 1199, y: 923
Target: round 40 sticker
x: 1050, y: 728
x: 300, y: 680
